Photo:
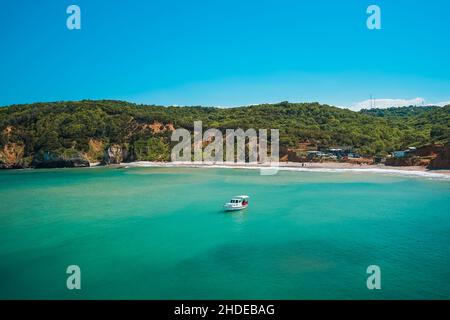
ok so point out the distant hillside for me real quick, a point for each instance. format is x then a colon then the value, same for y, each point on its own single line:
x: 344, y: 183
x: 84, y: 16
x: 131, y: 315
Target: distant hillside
x: 431, y: 120
x: 400, y: 112
x: 44, y: 132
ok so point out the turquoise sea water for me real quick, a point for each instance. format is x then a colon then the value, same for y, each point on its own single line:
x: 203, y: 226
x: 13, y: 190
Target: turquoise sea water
x: 160, y: 233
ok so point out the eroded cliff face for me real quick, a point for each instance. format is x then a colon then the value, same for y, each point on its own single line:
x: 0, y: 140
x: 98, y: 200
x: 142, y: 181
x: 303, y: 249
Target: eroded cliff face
x: 18, y: 150
x: 158, y: 127
x: 113, y: 155
x: 12, y: 156
x: 116, y: 154
x: 442, y: 161
x: 404, y: 162
x: 96, y: 151
x: 71, y: 159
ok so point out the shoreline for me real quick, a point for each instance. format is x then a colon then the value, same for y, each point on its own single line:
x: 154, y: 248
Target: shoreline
x: 337, y: 167
x: 295, y: 166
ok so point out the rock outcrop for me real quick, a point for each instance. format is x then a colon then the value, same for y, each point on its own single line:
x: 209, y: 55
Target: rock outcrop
x: 158, y: 127
x: 113, y: 155
x: 431, y: 150
x: 12, y: 156
x: 442, y: 161
x: 401, y: 162
x: 116, y: 154
x: 96, y: 150
x: 51, y: 160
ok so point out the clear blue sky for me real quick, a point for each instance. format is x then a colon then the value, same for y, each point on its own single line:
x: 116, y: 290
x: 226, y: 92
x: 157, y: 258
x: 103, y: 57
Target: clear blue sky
x: 224, y: 52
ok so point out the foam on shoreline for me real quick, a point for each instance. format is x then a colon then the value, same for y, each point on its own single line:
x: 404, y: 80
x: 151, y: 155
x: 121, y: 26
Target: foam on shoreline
x: 377, y: 170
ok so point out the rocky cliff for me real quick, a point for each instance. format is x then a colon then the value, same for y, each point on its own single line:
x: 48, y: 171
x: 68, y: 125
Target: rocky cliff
x: 116, y: 154
x: 442, y: 161
x: 404, y: 162
x: 50, y: 160
x: 12, y: 156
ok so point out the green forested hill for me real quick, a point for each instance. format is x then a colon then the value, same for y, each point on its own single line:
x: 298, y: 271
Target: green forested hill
x: 87, y: 128
x: 434, y: 122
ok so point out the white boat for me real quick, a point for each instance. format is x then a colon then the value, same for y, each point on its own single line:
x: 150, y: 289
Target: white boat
x: 237, y: 203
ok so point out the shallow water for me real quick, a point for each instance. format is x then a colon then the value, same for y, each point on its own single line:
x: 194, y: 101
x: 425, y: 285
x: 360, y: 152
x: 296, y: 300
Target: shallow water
x: 160, y: 233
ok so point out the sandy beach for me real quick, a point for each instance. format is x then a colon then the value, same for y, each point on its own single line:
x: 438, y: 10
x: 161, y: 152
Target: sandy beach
x: 311, y: 166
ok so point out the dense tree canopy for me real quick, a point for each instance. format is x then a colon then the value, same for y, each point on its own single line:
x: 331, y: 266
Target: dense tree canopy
x: 89, y: 127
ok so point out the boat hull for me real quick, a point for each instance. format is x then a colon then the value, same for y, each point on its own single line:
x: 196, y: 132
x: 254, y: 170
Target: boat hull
x: 234, y: 208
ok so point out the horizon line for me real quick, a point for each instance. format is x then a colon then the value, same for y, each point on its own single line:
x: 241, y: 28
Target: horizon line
x: 351, y: 108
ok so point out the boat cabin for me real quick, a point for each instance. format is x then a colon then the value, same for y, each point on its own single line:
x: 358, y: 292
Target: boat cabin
x: 237, y: 203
